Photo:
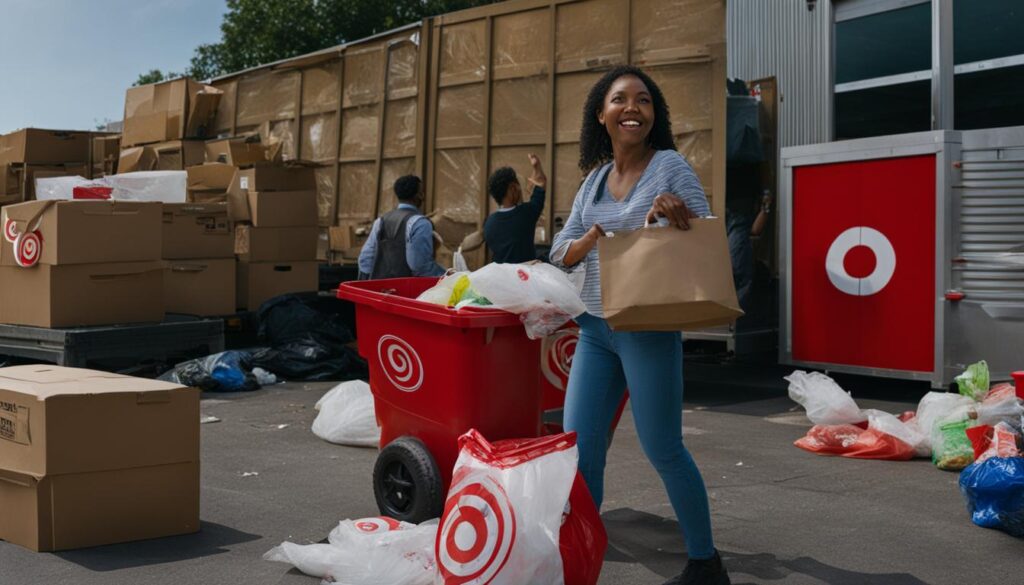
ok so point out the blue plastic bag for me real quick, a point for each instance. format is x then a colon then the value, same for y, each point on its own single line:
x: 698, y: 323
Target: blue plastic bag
x: 994, y: 492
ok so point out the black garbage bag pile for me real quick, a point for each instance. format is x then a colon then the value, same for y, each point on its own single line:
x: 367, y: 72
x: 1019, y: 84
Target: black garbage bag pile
x: 307, y: 340
x: 227, y: 371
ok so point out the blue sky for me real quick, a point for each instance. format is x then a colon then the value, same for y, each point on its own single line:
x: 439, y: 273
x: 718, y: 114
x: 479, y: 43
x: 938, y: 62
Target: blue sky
x: 65, y: 64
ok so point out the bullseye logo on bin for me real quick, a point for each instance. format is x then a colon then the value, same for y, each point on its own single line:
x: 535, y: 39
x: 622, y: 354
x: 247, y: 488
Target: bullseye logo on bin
x: 400, y: 362
x: 876, y: 279
x: 478, y: 529
x: 557, y: 351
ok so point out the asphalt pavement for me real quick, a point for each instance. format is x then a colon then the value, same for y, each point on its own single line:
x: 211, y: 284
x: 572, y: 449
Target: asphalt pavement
x: 781, y: 516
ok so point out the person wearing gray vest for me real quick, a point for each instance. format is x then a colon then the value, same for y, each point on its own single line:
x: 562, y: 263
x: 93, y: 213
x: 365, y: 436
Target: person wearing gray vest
x: 401, y: 242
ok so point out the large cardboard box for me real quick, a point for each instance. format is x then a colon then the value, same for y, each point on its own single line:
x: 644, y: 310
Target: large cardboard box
x: 274, y: 178
x: 177, y: 155
x: 76, y: 295
x: 197, y: 230
x: 255, y: 244
x: 209, y: 182
x: 136, y: 158
x: 200, y: 287
x: 81, y: 232
x: 273, y: 208
x: 90, y: 458
x: 171, y: 110
x: 106, y: 150
x: 242, y: 152
x: 260, y: 281
x: 37, y: 146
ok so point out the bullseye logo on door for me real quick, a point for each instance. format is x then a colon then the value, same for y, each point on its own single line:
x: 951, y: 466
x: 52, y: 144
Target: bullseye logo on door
x: 400, y: 362
x: 863, y: 263
x: 477, y: 532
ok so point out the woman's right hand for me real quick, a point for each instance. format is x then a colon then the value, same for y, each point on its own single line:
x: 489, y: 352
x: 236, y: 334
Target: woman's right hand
x: 579, y: 249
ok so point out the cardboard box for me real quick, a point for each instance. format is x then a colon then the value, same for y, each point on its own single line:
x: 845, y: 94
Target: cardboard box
x: 136, y: 158
x: 209, y: 182
x: 280, y: 244
x: 197, y: 230
x: 273, y: 208
x: 82, y: 294
x: 177, y: 155
x: 274, y: 178
x: 82, y: 232
x: 10, y: 185
x: 18, y: 181
x: 37, y: 146
x: 106, y: 150
x: 260, y: 281
x: 90, y: 458
x: 242, y: 151
x: 200, y: 287
x: 171, y: 110
x: 346, y: 241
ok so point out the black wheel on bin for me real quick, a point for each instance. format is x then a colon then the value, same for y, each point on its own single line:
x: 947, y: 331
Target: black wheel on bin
x: 407, y: 482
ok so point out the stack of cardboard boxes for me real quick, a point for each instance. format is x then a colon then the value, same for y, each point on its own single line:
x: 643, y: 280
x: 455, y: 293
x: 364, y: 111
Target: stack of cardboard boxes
x: 106, y: 149
x: 72, y: 263
x: 199, y: 259
x: 162, y: 122
x: 34, y: 153
x: 274, y: 209
x: 90, y: 458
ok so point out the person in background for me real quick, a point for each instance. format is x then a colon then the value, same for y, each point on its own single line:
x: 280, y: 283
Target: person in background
x: 635, y: 176
x: 509, y: 232
x: 401, y: 242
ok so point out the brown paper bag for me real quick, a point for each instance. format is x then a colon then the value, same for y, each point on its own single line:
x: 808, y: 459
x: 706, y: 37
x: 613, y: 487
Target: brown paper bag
x: 666, y: 279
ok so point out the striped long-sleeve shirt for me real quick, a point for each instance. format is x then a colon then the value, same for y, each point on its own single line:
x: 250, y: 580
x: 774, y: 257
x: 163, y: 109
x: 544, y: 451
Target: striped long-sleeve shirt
x: 668, y: 172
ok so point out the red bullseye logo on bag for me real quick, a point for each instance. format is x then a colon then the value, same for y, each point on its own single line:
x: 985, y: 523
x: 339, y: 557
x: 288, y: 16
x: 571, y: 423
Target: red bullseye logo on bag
x: 400, y: 362
x: 478, y: 529
x: 378, y: 524
x: 557, y: 351
x: 10, y: 230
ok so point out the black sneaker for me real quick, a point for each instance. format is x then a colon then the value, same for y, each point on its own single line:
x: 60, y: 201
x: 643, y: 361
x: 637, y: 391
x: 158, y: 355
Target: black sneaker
x: 702, y: 572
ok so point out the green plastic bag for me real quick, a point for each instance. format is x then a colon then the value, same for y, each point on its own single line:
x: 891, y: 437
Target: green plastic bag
x: 951, y: 448
x: 974, y: 382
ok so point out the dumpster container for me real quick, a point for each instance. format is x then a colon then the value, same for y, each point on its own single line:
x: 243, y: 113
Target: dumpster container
x: 435, y: 373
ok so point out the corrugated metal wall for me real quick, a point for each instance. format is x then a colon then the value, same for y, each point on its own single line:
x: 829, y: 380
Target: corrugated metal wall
x: 785, y: 40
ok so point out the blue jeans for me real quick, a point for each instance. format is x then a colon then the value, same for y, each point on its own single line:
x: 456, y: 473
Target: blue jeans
x: 650, y: 363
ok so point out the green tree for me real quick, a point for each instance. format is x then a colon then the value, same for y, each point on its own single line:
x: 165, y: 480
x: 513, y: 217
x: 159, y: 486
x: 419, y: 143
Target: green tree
x: 255, y: 32
x: 155, y: 76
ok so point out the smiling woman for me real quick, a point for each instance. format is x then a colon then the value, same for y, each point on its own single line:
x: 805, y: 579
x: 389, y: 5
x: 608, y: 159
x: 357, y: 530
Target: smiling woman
x: 635, y: 177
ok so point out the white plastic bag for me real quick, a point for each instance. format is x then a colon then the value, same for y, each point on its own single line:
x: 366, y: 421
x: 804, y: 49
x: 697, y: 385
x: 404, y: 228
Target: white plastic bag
x: 165, y: 186
x: 347, y: 416
x: 1000, y: 407
x: 825, y: 402
x: 942, y: 407
x: 441, y: 293
x: 541, y: 294
x: 459, y: 261
x: 908, y: 432
x: 60, y: 187
x: 371, y: 551
x: 504, y: 511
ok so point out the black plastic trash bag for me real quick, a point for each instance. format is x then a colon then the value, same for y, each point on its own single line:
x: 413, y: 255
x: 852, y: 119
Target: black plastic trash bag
x: 307, y: 338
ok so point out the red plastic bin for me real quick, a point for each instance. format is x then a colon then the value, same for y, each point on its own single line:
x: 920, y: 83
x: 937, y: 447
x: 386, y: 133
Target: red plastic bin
x: 435, y: 373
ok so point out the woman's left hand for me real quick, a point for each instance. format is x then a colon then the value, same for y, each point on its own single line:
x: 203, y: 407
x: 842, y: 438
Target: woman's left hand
x: 671, y: 208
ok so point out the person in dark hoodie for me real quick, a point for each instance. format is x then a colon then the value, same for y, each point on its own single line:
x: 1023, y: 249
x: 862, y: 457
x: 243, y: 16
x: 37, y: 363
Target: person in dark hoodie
x: 509, y: 232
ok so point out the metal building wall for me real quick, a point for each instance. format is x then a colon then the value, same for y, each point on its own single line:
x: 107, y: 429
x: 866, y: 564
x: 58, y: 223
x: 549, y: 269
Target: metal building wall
x: 785, y: 40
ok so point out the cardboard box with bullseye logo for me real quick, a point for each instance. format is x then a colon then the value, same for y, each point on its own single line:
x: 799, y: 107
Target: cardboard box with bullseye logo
x: 75, y: 263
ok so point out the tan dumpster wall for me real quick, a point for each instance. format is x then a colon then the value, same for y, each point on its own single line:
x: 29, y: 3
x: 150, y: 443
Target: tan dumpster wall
x: 465, y: 93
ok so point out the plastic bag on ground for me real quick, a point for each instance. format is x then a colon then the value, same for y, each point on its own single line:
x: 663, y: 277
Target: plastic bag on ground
x: 973, y: 382
x: 582, y: 539
x: 825, y: 402
x: 905, y: 430
x: 542, y: 295
x: 855, y: 442
x: 347, y: 417
x: 228, y: 371
x: 942, y: 407
x: 502, y: 521
x: 951, y: 448
x: 1000, y: 405
x: 994, y: 493
x: 1002, y: 440
x: 371, y: 551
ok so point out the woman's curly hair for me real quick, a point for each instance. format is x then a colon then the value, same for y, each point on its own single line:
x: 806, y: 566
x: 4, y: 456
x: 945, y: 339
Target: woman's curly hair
x: 595, y: 144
